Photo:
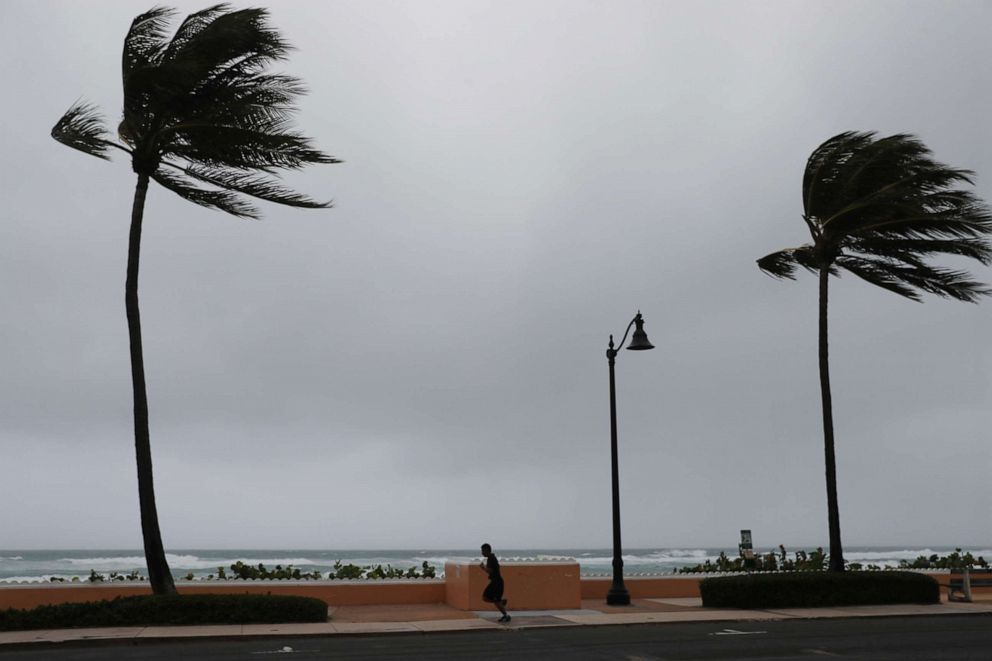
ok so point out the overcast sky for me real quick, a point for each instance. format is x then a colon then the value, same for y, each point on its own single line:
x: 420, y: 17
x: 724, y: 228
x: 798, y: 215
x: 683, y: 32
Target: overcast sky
x: 423, y: 366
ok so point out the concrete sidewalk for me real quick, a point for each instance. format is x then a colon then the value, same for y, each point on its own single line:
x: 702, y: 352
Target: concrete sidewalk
x: 428, y: 618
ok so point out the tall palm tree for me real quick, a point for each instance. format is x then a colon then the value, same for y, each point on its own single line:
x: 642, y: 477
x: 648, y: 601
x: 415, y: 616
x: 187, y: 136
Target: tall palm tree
x: 879, y: 208
x: 204, y: 119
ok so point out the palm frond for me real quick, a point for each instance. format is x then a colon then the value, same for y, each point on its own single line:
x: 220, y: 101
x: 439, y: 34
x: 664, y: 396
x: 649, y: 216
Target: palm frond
x: 257, y: 186
x: 946, y: 283
x: 204, y: 117
x: 974, y: 248
x: 145, y: 40
x: 260, y: 102
x: 782, y: 264
x: 191, y: 26
x: 81, y: 127
x: 230, y: 146
x: 215, y: 43
x: 824, y: 171
x: 222, y: 200
x: 870, y: 272
x: 144, y: 44
x: 973, y: 220
x: 880, y: 207
x: 220, y: 35
x: 919, y: 193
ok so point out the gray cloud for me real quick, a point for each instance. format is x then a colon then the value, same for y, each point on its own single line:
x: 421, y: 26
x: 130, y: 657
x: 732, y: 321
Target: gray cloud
x: 424, y: 365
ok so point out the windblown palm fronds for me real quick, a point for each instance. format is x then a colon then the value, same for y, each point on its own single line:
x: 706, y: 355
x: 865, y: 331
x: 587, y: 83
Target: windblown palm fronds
x: 202, y: 116
x: 879, y: 209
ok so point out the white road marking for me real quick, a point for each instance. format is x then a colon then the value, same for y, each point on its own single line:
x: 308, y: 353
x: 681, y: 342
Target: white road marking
x: 285, y: 650
x: 735, y: 632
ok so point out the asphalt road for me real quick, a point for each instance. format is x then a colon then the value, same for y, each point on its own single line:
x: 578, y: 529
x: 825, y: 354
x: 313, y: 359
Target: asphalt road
x: 905, y: 638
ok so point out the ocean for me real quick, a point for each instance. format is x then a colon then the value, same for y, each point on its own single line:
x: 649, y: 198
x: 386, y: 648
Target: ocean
x: 17, y: 566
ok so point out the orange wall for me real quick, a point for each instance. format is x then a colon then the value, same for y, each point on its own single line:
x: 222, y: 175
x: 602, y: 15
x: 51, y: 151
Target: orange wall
x: 335, y: 594
x: 641, y: 588
x: 534, y: 586
x: 528, y: 586
x: 945, y: 579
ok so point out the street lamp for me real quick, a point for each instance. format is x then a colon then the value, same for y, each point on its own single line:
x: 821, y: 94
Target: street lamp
x: 618, y: 595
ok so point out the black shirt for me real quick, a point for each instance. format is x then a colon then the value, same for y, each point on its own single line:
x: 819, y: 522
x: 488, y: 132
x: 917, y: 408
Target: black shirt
x: 492, y: 566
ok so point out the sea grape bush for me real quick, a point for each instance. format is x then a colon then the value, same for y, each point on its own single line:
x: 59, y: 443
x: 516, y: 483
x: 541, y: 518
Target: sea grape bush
x: 100, y: 578
x: 341, y: 571
x: 289, y: 572
x: 243, y: 571
x: 817, y: 560
x: 955, y: 560
x: 379, y: 572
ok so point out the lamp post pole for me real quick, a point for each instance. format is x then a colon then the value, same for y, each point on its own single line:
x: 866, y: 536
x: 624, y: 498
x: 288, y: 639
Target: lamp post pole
x: 618, y: 595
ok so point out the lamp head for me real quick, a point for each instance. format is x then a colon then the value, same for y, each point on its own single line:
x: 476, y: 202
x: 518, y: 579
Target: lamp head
x: 639, y: 340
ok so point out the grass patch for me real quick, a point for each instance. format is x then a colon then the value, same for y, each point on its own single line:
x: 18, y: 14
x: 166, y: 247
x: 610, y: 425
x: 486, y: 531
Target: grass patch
x: 191, y: 609
x: 816, y: 589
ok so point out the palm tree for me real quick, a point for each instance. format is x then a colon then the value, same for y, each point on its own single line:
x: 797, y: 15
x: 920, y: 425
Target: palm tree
x: 879, y: 208
x: 204, y: 119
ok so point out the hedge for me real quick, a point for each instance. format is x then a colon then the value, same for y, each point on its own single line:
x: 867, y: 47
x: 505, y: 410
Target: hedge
x: 175, y: 609
x: 815, y: 588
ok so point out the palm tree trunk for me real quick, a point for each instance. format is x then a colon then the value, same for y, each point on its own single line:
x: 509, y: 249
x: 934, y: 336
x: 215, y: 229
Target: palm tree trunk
x: 833, y: 511
x: 159, y: 573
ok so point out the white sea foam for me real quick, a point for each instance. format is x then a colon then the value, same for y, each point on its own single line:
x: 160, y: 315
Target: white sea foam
x: 11, y: 557
x: 667, y: 556
x: 103, y: 563
x: 44, y: 578
x: 439, y: 560
x: 177, y: 562
x: 681, y: 553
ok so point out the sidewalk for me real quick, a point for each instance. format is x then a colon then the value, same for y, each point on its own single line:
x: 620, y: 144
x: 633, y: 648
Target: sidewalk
x: 428, y: 618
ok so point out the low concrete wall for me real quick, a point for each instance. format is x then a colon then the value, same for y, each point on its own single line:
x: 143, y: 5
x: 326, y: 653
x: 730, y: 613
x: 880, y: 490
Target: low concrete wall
x: 335, y: 593
x: 528, y: 585
x: 945, y: 579
x: 644, y: 587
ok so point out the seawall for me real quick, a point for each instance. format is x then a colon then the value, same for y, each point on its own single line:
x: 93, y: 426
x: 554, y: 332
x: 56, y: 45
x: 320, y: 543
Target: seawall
x: 543, y: 585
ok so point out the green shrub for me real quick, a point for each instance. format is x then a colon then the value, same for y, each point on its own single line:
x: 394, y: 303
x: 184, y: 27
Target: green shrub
x: 819, y: 560
x: 955, y: 560
x: 813, y: 589
x: 187, y: 609
x: 350, y: 571
x: 240, y: 570
x: 289, y: 572
x: 771, y: 561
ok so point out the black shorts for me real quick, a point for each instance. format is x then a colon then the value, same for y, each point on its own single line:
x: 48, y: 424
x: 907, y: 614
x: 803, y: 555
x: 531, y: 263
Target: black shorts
x: 493, y: 591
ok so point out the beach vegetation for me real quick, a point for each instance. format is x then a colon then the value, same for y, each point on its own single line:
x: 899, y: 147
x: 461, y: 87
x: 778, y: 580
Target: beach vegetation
x: 260, y: 572
x: 879, y: 208
x: 350, y: 571
x: 204, y: 119
x: 955, y: 560
x: 817, y: 560
x: 242, y: 571
x: 175, y: 609
x: 818, y: 588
